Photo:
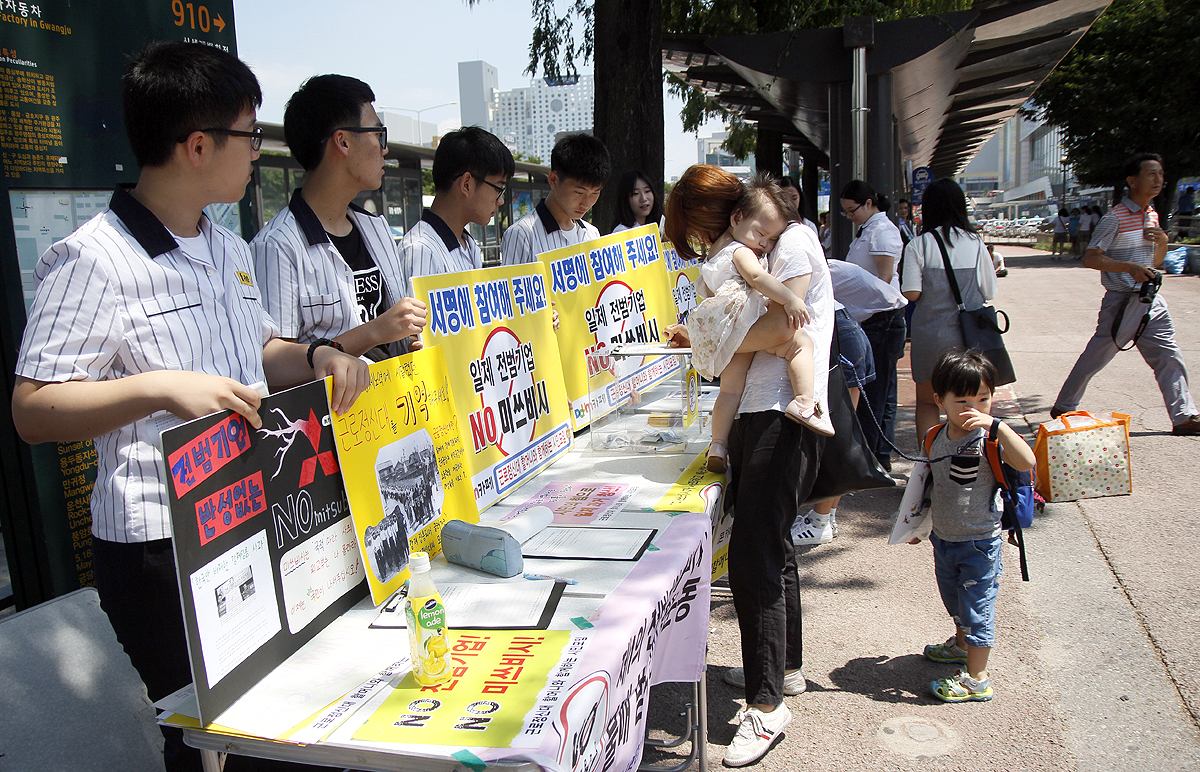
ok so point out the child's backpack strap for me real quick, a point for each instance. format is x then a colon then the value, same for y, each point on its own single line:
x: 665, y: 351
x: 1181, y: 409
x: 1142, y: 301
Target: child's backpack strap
x: 1016, y: 492
x: 930, y: 436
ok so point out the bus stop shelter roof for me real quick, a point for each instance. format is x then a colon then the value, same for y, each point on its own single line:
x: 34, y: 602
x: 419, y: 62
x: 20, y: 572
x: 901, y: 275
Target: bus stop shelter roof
x: 956, y: 77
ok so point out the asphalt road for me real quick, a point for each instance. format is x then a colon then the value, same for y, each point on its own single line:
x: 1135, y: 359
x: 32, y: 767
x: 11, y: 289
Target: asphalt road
x: 1096, y: 666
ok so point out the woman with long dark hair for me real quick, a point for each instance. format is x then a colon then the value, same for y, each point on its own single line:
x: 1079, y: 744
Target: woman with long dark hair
x: 935, y: 322
x: 637, y: 203
x: 877, y: 248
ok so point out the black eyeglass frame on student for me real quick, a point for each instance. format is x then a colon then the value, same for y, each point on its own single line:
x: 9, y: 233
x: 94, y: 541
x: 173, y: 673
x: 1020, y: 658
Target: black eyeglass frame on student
x: 500, y: 189
x: 256, y: 136
x: 852, y: 211
x: 381, y: 130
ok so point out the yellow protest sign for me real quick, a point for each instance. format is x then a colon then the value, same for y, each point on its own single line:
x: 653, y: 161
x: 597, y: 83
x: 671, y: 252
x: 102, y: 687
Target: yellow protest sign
x: 495, y: 682
x: 404, y: 464
x: 496, y: 328
x: 681, y: 277
x: 609, y: 290
x: 699, y: 490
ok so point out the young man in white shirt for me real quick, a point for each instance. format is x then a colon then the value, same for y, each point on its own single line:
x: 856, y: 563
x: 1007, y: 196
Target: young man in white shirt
x: 148, y: 309
x: 579, y: 167
x: 329, y: 269
x: 471, y: 170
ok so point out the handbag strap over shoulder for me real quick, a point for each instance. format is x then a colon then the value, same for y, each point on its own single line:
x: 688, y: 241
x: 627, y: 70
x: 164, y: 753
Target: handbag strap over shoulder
x: 949, y: 270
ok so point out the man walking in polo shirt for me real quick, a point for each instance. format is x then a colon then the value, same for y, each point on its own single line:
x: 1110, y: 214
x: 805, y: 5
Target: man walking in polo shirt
x: 579, y: 167
x: 150, y: 309
x: 471, y: 169
x: 329, y: 269
x: 1126, y: 245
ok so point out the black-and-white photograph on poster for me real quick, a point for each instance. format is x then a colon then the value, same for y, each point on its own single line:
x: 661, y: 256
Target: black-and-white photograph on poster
x: 410, y: 489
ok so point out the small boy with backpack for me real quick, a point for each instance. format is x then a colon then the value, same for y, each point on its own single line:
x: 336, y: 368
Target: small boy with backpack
x: 967, y: 503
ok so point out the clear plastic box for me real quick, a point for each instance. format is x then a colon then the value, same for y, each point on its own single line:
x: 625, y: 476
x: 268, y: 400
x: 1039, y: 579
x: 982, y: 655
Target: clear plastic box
x: 647, y: 399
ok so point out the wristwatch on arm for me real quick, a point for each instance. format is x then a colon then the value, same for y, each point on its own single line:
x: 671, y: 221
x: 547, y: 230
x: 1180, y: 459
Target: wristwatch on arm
x: 316, y: 344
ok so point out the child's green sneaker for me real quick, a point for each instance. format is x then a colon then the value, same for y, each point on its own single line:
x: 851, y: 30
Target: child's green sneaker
x: 962, y: 688
x: 948, y: 652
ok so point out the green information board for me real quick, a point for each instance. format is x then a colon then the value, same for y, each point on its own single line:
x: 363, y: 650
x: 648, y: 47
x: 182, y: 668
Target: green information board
x: 62, y: 150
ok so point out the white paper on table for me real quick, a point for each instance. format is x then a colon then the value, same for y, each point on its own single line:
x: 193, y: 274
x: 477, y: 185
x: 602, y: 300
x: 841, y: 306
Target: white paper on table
x: 525, y: 525
x: 590, y: 543
x: 503, y: 605
x: 913, y: 521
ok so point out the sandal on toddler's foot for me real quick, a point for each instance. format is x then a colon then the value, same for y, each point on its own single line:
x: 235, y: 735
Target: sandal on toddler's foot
x: 810, y: 415
x: 716, y: 457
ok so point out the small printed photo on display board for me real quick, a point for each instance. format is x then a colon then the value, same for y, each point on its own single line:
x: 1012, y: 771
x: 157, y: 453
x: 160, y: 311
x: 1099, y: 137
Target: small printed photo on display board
x: 411, y: 494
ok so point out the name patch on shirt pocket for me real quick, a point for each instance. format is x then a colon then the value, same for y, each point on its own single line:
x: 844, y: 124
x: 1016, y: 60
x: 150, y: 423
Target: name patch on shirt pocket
x: 244, y: 278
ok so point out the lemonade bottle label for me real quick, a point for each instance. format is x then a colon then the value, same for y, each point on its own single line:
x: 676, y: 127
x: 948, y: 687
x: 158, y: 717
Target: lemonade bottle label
x: 426, y: 618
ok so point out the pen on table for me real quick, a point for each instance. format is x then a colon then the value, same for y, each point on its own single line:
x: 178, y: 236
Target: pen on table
x: 551, y: 578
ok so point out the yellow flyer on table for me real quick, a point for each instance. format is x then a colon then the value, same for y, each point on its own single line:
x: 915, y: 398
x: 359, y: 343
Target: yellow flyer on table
x: 496, y: 328
x: 681, y: 276
x: 495, y: 682
x: 699, y: 490
x: 404, y: 464
x: 609, y: 290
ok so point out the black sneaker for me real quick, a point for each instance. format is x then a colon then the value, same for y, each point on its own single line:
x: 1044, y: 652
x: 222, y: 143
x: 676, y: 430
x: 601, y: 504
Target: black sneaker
x: 1056, y: 412
x: 1190, y: 427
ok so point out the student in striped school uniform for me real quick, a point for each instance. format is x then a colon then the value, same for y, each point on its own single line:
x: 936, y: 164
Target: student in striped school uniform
x: 149, y: 312
x: 471, y: 170
x: 328, y: 268
x: 579, y: 167
x: 1125, y: 247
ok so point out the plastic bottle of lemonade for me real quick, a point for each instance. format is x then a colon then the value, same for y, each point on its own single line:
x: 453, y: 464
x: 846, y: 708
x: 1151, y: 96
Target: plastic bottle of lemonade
x: 426, y: 618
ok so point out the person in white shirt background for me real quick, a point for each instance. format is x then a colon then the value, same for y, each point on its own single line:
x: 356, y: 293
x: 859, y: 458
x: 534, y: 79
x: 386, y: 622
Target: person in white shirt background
x: 638, y: 203
x: 877, y: 248
x: 793, y: 193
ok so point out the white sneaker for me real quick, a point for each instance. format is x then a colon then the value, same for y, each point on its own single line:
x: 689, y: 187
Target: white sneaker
x: 756, y: 733
x: 793, y: 683
x: 833, y: 520
x: 812, y: 529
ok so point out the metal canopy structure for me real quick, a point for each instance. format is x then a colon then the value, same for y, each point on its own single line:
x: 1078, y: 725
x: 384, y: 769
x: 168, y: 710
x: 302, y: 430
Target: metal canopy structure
x: 955, y: 78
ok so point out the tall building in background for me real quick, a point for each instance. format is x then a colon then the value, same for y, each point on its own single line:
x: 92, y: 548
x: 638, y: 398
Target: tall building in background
x: 530, y: 119
x: 478, y: 83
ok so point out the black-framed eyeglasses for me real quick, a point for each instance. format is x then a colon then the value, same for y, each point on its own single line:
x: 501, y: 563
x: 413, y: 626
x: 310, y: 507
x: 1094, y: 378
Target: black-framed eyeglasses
x: 381, y: 130
x: 500, y: 189
x: 256, y: 136
x: 850, y: 212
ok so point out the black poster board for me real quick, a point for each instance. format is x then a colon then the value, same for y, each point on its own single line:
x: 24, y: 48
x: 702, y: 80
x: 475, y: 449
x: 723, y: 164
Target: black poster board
x: 264, y: 545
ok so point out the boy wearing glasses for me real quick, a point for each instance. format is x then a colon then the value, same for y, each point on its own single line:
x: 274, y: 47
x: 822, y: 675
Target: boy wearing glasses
x: 471, y: 169
x: 328, y: 268
x: 147, y: 314
x: 579, y: 166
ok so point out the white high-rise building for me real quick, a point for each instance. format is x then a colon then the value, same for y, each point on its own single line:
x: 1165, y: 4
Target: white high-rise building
x: 529, y: 120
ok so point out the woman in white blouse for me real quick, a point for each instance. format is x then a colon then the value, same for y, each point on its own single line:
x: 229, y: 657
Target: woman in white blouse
x: 877, y: 248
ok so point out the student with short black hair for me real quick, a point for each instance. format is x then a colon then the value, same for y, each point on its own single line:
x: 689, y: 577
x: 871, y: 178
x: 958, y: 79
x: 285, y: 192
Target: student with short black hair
x: 151, y: 310
x: 329, y: 269
x: 579, y: 167
x: 471, y: 170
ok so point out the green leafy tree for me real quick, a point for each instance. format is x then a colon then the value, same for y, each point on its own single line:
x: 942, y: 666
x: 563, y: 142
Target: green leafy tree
x: 1128, y: 87
x: 623, y: 38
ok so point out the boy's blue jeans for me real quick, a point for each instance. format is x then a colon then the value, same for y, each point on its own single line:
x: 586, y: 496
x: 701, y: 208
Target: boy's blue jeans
x: 968, y: 577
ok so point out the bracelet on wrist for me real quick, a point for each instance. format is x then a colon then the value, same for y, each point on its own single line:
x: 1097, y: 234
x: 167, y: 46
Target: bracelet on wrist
x: 318, y: 343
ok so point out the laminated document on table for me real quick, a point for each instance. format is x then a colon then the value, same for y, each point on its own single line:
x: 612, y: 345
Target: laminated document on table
x: 588, y: 543
x: 519, y: 605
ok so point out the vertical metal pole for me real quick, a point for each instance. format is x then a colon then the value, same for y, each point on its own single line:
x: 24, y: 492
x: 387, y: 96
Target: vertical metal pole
x: 858, y: 113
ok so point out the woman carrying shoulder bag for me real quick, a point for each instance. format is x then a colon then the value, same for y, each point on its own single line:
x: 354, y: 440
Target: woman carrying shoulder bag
x: 936, y: 324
